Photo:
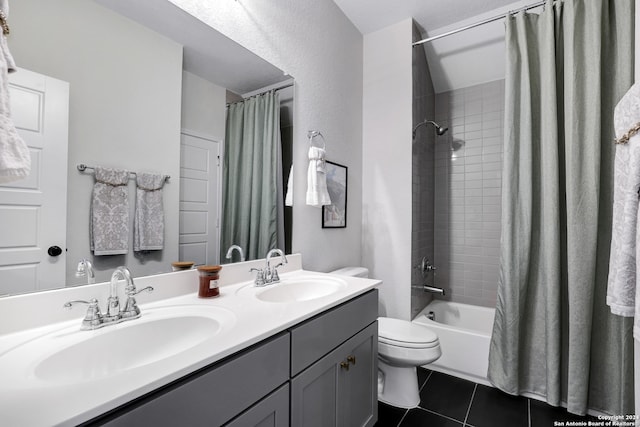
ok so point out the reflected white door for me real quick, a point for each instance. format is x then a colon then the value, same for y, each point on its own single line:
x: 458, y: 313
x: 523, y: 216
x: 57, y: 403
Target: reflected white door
x: 200, y: 181
x: 33, y: 211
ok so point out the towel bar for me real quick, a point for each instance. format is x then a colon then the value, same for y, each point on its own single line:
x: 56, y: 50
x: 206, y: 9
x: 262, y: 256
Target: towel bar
x: 82, y: 167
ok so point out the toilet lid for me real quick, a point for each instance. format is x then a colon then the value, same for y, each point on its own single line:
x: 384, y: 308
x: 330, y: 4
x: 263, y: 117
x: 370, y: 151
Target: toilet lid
x: 404, y: 331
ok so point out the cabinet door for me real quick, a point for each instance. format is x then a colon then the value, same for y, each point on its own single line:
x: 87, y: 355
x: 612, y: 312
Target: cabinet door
x: 336, y: 392
x: 272, y: 411
x: 313, y: 394
x: 357, y: 387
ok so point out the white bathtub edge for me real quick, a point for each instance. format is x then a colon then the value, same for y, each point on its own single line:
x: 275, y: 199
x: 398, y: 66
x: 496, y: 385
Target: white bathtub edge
x: 459, y: 374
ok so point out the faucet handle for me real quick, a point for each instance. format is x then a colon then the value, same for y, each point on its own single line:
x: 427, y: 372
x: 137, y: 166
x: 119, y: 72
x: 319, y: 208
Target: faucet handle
x: 131, y: 291
x: 259, y: 281
x: 93, y: 318
x: 275, y: 277
x: 131, y: 309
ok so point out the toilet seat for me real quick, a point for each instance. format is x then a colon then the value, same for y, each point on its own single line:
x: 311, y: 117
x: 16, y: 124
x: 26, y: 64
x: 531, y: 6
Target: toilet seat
x: 408, y: 344
x: 403, y: 333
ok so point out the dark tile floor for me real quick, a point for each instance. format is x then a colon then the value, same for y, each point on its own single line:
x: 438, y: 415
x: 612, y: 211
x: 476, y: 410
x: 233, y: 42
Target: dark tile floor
x: 447, y: 401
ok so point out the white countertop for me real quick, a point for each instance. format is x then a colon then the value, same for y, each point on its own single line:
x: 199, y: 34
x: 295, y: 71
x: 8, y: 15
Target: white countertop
x: 34, y: 402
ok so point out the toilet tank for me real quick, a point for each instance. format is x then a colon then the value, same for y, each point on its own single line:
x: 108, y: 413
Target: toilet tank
x: 352, y: 271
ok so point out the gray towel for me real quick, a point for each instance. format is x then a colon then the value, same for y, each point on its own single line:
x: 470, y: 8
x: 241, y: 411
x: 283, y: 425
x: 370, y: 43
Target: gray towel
x: 109, y: 217
x: 148, y: 227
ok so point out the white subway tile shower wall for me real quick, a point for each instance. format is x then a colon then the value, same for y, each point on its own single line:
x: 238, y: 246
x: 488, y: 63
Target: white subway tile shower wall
x: 468, y: 183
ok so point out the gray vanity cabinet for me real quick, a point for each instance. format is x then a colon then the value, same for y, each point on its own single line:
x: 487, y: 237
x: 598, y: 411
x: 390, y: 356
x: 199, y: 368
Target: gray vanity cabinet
x: 214, y: 395
x: 272, y: 411
x: 334, y: 366
x: 321, y: 372
x: 340, y: 388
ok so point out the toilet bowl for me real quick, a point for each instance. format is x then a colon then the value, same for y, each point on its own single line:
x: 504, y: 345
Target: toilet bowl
x: 402, y: 347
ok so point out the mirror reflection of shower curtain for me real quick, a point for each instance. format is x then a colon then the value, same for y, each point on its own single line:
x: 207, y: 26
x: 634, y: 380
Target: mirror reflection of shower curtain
x: 554, y: 335
x: 252, y: 200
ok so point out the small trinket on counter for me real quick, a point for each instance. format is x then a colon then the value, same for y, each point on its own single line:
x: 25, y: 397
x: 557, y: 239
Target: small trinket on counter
x: 209, y: 281
x: 181, y: 265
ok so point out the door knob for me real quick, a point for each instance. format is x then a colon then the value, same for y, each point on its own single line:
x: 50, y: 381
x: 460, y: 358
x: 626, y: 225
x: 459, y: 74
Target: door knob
x: 54, y: 250
x: 351, y: 359
x: 344, y: 365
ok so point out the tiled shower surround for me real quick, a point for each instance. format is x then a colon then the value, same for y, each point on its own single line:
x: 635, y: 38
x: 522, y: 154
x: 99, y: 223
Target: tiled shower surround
x: 422, y: 177
x: 468, y: 183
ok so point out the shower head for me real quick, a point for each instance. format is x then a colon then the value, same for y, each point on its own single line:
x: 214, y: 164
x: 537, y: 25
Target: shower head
x: 439, y: 129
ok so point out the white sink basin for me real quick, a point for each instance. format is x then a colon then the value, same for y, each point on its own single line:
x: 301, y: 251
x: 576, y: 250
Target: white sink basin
x: 71, y: 356
x: 296, y: 289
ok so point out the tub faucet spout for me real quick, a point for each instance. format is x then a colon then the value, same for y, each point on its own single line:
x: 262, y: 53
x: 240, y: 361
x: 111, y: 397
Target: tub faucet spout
x: 434, y: 290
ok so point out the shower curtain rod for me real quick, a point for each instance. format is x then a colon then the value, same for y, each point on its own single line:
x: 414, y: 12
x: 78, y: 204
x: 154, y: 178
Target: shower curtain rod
x: 266, y: 91
x: 477, y: 24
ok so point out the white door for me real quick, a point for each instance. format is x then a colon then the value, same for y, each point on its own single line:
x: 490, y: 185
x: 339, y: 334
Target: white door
x: 200, y: 181
x: 33, y: 211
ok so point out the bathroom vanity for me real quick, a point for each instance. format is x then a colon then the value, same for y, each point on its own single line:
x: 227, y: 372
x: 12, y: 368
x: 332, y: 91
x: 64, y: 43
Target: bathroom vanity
x: 302, y: 352
x: 322, y: 371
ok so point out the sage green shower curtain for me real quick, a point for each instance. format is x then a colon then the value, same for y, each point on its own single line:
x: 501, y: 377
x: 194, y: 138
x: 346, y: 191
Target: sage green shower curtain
x: 252, y: 200
x: 553, y: 333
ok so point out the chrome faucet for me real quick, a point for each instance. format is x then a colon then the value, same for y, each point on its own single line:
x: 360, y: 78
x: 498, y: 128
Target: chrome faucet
x: 94, y: 319
x: 131, y: 310
x: 113, y: 302
x: 235, y: 248
x: 85, y: 269
x: 269, y: 274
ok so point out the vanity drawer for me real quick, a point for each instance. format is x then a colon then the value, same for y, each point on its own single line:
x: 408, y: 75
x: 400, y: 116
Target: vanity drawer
x: 216, y: 394
x: 272, y: 411
x: 318, y: 336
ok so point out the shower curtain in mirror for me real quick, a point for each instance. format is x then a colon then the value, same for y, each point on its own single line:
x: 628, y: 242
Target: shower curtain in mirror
x: 252, y: 201
x: 553, y: 333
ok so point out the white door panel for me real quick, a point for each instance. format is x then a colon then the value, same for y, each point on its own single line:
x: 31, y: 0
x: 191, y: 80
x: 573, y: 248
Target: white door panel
x: 33, y: 211
x: 199, y: 198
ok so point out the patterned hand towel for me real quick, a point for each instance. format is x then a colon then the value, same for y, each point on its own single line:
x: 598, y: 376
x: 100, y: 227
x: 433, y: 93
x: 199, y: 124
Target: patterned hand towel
x: 148, y: 227
x: 109, y: 217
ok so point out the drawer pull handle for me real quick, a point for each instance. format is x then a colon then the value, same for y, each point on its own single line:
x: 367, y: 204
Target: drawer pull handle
x: 351, y: 359
x: 344, y: 365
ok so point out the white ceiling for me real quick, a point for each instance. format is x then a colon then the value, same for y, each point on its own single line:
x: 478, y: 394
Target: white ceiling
x: 466, y: 59
x: 207, y: 53
x: 372, y: 15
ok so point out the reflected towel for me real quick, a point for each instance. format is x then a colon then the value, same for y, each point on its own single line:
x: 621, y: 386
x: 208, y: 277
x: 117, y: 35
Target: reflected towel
x: 317, y: 194
x: 15, y: 158
x: 109, y: 216
x: 148, y: 227
x: 288, y: 200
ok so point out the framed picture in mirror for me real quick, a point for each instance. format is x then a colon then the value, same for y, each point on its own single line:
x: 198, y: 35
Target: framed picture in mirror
x: 335, y: 214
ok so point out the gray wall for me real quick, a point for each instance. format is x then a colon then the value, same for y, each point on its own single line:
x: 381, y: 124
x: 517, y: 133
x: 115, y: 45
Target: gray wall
x: 423, y: 167
x: 468, y: 193
x: 203, y: 106
x: 125, y: 91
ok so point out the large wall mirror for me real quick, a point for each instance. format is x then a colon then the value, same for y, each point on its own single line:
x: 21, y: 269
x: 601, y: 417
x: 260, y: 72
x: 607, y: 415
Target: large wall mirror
x: 148, y: 86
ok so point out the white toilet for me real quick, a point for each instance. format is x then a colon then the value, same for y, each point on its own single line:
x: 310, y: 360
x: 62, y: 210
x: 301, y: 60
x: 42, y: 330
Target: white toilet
x: 402, y: 347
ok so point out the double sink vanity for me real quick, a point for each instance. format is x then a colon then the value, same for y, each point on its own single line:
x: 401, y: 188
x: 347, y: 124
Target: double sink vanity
x: 299, y: 352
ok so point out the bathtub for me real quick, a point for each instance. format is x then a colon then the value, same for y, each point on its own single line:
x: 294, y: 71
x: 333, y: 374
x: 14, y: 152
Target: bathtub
x: 464, y: 332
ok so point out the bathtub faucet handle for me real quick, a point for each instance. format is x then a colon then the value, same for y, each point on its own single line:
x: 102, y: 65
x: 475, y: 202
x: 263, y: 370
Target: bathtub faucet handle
x: 425, y: 266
